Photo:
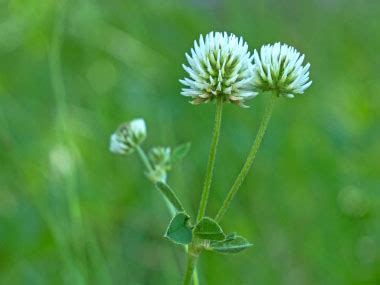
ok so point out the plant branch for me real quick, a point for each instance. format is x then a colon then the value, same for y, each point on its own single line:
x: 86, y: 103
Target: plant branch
x: 211, y: 159
x: 169, y: 204
x: 251, y: 157
x: 144, y: 158
x: 190, y: 268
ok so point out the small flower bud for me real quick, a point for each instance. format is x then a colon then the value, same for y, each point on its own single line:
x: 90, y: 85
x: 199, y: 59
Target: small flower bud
x: 128, y: 136
x: 160, y: 157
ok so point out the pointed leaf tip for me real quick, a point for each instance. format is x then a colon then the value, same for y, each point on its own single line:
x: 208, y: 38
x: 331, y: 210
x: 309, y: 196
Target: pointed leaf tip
x: 180, y: 151
x: 228, y: 246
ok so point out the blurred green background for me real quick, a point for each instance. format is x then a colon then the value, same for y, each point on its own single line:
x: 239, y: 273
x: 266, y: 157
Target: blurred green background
x: 72, y: 213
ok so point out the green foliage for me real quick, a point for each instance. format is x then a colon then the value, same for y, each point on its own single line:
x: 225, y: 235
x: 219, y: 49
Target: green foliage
x: 180, y: 152
x: 169, y: 194
x: 230, y: 236
x: 209, y: 229
x: 180, y: 229
x: 232, y: 244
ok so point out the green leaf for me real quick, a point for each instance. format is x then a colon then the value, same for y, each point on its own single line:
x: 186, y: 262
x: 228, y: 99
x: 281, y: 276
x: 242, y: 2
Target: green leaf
x: 180, y: 229
x: 179, y: 152
x: 230, y: 236
x: 170, y: 195
x: 209, y: 229
x: 234, y: 245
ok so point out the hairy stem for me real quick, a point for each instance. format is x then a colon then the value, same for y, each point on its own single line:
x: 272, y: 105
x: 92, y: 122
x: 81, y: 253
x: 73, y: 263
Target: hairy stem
x: 251, y: 157
x: 211, y: 159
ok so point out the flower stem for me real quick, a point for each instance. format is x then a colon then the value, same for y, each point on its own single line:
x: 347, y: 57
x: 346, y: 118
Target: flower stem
x: 195, y: 276
x: 171, y: 209
x: 211, y: 159
x: 144, y: 158
x: 191, y: 263
x: 251, y: 157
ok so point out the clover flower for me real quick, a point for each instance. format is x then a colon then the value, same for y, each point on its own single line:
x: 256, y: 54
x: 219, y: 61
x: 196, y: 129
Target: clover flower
x: 279, y: 68
x: 128, y: 136
x: 220, y: 65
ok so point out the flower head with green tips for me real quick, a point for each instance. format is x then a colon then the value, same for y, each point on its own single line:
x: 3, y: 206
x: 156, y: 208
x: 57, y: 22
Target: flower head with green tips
x: 220, y: 65
x: 128, y: 136
x: 279, y: 68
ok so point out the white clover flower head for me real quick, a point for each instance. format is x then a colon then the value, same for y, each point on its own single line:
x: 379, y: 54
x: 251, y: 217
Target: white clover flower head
x: 279, y: 68
x: 138, y: 130
x: 160, y: 157
x: 220, y: 65
x: 128, y: 136
x: 118, y: 146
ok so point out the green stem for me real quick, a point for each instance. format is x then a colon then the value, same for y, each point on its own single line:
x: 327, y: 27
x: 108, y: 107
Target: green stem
x: 211, y: 159
x: 251, y: 157
x: 171, y: 209
x: 195, y: 276
x: 144, y: 158
x: 190, y: 269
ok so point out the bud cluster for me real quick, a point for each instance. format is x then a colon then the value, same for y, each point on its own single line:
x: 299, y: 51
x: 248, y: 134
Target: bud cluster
x: 160, y: 158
